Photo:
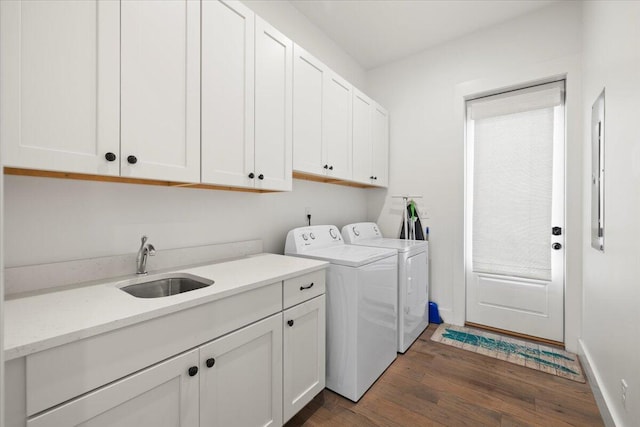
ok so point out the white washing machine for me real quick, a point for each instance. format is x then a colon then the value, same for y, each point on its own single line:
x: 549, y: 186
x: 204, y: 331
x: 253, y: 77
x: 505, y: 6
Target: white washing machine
x: 413, y: 277
x: 361, y: 306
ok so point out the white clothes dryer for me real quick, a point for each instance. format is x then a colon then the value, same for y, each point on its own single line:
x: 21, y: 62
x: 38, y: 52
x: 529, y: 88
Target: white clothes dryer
x: 361, y: 290
x: 413, y: 277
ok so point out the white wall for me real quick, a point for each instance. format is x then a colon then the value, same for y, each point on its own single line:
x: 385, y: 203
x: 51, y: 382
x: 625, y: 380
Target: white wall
x: 287, y: 19
x: 611, y: 331
x: 50, y: 220
x: 423, y: 94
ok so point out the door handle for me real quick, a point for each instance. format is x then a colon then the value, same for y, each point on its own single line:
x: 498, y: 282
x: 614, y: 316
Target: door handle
x: 556, y: 246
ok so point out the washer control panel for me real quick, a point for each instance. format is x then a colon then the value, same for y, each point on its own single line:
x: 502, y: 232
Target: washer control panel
x: 313, y: 237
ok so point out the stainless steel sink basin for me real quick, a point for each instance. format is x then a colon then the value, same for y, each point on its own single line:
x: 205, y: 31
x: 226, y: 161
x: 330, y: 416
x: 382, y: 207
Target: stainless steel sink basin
x: 164, y: 285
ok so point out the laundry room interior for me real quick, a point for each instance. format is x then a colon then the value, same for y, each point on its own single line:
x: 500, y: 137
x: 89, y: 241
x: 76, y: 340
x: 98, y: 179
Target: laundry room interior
x: 383, y: 97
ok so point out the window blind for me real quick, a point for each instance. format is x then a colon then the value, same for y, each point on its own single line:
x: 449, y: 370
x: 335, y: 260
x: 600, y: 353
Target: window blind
x: 512, y: 141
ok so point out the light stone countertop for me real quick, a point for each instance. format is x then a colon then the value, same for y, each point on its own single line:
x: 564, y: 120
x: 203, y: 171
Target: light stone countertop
x: 39, y: 322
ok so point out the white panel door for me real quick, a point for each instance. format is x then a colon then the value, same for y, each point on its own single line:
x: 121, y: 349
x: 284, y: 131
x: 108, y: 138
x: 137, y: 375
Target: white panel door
x: 273, y: 108
x: 59, y: 79
x: 164, y: 395
x: 227, y: 93
x: 380, y: 146
x: 308, y: 82
x: 241, y: 381
x: 362, y: 137
x: 337, y: 132
x: 160, y: 87
x: 303, y: 354
x: 514, y: 211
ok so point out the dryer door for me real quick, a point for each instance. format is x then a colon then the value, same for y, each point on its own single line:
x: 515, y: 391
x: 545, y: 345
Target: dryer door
x: 415, y: 316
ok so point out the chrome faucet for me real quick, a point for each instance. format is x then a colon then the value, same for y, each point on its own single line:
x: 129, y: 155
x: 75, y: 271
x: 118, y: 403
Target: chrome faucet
x: 146, y: 249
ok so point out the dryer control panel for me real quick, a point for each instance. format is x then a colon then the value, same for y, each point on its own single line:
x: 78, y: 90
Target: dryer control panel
x: 361, y: 231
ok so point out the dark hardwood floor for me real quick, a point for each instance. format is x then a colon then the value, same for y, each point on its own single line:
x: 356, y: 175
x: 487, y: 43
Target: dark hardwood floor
x: 438, y: 385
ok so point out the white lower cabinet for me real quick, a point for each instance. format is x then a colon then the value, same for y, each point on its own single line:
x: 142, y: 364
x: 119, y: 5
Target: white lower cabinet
x: 241, y: 381
x: 165, y: 394
x: 304, y: 354
x: 249, y: 364
x: 235, y: 380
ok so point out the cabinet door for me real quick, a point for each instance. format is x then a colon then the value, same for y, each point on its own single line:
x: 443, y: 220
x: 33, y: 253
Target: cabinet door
x: 380, y: 146
x: 336, y: 136
x: 160, y: 87
x: 308, y: 82
x: 164, y: 395
x: 227, y: 93
x: 59, y: 79
x: 241, y: 385
x: 362, y: 137
x: 273, y: 120
x: 304, y: 354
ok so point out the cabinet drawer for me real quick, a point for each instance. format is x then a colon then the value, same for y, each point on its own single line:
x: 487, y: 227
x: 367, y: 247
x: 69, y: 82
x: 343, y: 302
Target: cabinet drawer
x: 302, y: 288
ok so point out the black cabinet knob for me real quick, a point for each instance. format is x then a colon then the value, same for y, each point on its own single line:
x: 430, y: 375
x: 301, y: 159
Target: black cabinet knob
x: 556, y: 246
x: 260, y: 176
x: 371, y: 177
x: 375, y: 177
x: 110, y: 157
x: 290, y: 322
x: 330, y: 168
x: 132, y: 160
x: 210, y: 362
x: 326, y: 166
x: 252, y: 175
x: 193, y: 371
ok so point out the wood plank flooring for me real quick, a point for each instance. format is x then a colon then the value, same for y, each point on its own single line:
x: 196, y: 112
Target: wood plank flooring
x: 438, y: 385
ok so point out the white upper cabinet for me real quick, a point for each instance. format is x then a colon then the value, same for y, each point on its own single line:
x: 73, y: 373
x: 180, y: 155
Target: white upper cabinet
x: 380, y: 146
x: 273, y: 108
x: 59, y: 79
x: 336, y: 135
x: 308, y: 84
x: 247, y: 75
x: 227, y: 93
x: 370, y: 141
x: 179, y: 91
x: 160, y: 90
x: 321, y: 119
x: 362, y: 138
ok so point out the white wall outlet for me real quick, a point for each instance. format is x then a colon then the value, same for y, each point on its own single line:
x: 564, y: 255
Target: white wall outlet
x: 623, y: 389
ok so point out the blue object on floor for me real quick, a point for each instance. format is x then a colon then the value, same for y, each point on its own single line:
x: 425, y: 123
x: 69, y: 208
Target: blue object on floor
x: 434, y: 314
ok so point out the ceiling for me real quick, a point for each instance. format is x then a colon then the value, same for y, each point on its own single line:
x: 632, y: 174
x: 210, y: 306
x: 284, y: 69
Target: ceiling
x: 375, y: 32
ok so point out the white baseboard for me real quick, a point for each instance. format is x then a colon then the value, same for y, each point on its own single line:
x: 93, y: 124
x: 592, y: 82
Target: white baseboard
x: 446, y: 314
x: 595, y: 381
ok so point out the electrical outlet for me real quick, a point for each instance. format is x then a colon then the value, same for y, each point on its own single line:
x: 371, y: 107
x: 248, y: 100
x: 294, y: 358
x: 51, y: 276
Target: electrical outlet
x: 623, y: 389
x: 307, y: 215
